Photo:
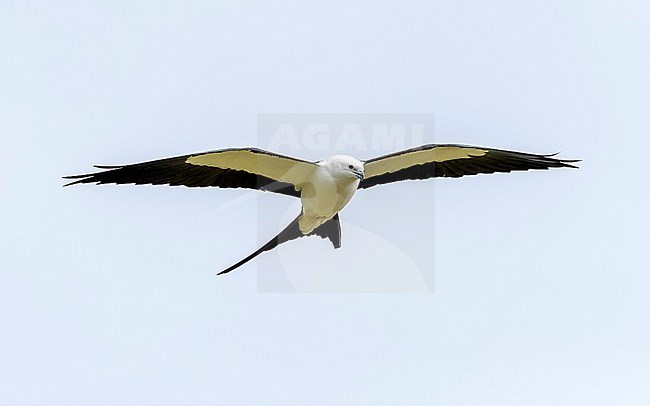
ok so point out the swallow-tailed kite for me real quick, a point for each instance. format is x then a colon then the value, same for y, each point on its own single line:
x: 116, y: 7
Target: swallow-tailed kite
x: 324, y: 187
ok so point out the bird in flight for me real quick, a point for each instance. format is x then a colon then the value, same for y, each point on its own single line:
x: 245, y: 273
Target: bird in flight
x: 324, y: 187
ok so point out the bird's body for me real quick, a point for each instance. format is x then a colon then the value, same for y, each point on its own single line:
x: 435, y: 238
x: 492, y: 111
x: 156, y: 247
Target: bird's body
x: 324, y: 187
x: 328, y: 189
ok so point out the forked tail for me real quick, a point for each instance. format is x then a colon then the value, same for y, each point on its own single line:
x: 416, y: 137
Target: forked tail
x: 331, y: 230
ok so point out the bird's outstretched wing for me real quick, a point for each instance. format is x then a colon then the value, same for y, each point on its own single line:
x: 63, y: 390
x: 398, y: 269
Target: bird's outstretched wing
x: 453, y: 161
x: 229, y: 168
x: 331, y: 230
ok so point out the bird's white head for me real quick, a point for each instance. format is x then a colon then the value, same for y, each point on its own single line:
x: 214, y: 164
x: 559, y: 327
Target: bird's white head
x: 344, y: 166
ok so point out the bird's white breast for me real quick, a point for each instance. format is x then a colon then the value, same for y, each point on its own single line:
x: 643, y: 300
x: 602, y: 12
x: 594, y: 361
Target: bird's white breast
x: 324, y: 195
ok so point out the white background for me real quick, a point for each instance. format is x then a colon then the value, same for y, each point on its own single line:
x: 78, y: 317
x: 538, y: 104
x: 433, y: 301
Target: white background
x: 108, y: 294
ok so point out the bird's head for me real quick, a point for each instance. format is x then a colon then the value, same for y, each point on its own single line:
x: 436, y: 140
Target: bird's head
x: 345, y: 166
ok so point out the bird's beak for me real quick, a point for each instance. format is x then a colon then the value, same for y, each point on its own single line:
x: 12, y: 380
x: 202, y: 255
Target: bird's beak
x: 358, y: 174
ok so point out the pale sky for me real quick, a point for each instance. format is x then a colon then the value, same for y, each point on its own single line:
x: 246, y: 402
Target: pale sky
x: 540, y: 280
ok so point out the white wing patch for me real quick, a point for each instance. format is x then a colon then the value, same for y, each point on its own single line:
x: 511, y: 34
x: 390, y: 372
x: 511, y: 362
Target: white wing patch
x: 276, y: 167
x: 394, y: 163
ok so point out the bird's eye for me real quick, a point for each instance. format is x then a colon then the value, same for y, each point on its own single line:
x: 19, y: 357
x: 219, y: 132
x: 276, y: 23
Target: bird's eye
x: 351, y: 166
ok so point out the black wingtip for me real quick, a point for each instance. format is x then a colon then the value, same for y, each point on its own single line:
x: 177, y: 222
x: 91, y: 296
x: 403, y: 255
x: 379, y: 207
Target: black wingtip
x: 568, y: 163
x: 108, y: 166
x: 79, y: 179
x: 83, y: 178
